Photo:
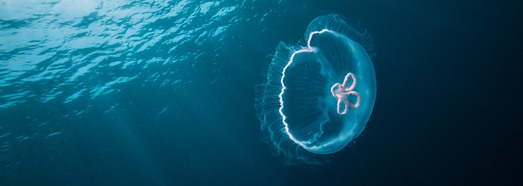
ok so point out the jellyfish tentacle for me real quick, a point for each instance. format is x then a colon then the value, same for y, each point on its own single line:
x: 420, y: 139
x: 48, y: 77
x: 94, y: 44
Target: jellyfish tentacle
x: 357, y: 94
x: 342, y: 92
x: 346, y: 106
x: 333, y: 91
x: 346, y: 80
x: 339, y: 106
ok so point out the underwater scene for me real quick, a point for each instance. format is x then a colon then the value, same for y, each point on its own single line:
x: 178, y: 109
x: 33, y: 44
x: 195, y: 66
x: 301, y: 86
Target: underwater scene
x: 261, y: 92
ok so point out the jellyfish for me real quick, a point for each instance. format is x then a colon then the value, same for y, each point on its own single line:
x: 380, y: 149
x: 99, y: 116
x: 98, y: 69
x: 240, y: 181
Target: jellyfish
x: 318, y: 97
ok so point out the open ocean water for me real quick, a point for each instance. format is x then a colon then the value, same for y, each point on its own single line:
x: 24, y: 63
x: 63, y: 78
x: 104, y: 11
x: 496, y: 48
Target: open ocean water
x: 131, y: 92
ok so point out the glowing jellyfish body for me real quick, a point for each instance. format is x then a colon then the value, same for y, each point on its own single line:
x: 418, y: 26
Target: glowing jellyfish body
x: 318, y: 98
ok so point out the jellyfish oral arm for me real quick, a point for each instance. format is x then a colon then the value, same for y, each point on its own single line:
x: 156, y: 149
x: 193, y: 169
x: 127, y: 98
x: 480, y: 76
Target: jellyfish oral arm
x: 342, y: 92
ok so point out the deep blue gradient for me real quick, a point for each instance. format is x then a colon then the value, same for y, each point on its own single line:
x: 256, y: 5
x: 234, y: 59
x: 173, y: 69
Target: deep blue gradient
x: 162, y: 93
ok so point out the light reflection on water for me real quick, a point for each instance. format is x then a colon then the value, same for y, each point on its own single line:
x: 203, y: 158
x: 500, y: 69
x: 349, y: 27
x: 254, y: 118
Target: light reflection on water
x: 63, y: 60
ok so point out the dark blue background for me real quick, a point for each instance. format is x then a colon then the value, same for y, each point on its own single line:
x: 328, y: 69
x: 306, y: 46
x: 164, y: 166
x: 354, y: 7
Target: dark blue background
x: 448, y: 108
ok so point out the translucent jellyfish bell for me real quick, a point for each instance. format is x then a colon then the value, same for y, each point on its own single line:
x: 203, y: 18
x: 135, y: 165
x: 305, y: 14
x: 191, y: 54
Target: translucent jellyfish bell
x: 318, y: 98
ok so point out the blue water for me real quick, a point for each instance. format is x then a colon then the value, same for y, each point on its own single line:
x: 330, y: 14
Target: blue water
x: 162, y: 93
